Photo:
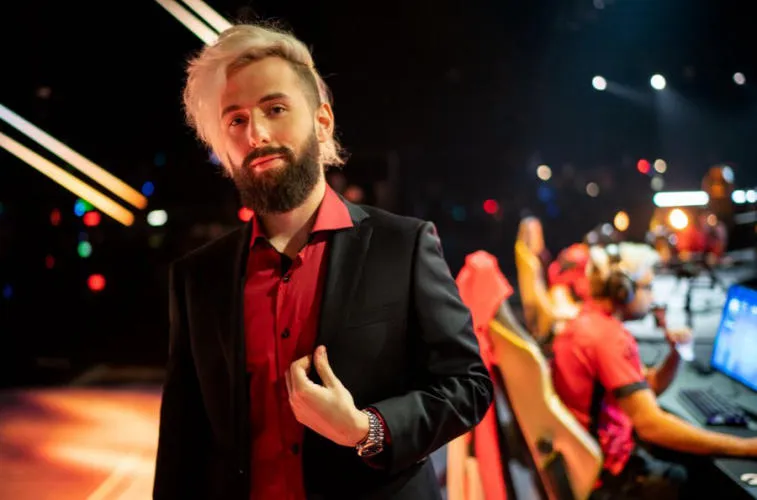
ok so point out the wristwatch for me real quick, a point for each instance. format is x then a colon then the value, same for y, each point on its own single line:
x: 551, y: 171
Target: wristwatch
x: 373, y: 443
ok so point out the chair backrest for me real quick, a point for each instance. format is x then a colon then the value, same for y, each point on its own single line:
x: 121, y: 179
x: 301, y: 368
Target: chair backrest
x: 568, y: 459
x: 537, y: 306
x: 463, y: 476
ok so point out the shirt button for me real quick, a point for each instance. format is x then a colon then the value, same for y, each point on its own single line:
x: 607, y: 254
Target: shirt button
x: 295, y: 448
x: 285, y: 278
x: 285, y: 333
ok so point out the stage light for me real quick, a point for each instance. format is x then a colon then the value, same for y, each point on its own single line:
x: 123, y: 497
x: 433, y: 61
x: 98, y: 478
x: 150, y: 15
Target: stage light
x: 96, y: 282
x: 80, y: 208
x: 244, y: 214
x: 681, y: 199
x: 592, y: 189
x: 491, y: 207
x: 643, y: 166
x: 544, y: 173
x: 185, y: 17
x: 739, y: 78
x: 79, y: 162
x: 621, y: 221
x: 727, y: 174
x: 210, y: 16
x: 157, y: 218
x: 91, y: 219
x: 458, y: 213
x: 68, y: 181
x: 599, y: 83
x: 660, y: 166
x: 148, y: 188
x: 658, y: 82
x: 84, y: 249
x: 49, y: 262
x: 55, y: 217
x: 678, y: 219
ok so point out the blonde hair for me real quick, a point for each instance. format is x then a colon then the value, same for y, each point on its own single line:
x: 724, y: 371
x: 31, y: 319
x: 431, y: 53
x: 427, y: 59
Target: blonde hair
x: 235, y: 48
x: 636, y: 259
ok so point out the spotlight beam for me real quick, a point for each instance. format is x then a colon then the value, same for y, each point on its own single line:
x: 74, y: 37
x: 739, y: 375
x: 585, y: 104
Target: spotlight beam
x: 82, y: 164
x: 210, y: 16
x: 75, y: 185
x: 189, y: 20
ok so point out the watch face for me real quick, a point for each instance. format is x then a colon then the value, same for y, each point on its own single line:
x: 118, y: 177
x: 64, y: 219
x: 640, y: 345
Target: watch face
x: 371, y: 449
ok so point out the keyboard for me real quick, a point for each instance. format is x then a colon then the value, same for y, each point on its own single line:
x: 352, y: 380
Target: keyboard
x: 715, y: 408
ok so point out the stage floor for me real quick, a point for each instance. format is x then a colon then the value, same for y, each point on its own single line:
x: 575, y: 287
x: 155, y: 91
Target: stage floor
x: 78, y: 443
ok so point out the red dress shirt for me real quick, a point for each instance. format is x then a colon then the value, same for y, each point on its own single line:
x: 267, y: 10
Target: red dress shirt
x: 282, y: 299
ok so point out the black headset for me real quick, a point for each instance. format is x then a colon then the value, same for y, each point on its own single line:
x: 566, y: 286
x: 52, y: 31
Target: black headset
x: 619, y: 287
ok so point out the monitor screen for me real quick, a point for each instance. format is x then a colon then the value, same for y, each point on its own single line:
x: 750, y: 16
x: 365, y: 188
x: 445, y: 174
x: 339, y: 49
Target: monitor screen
x: 735, y: 351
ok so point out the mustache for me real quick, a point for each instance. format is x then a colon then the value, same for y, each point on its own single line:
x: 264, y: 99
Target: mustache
x: 268, y: 151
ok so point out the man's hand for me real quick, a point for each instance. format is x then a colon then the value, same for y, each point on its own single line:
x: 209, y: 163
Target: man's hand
x: 327, y: 409
x: 678, y: 336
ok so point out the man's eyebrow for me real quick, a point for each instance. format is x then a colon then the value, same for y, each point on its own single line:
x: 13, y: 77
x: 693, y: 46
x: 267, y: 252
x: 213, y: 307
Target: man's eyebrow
x: 266, y: 98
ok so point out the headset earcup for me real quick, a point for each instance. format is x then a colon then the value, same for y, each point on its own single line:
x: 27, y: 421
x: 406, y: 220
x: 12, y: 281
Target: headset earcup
x: 620, y: 288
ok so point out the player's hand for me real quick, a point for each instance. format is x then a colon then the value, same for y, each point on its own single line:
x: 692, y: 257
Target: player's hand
x: 678, y: 336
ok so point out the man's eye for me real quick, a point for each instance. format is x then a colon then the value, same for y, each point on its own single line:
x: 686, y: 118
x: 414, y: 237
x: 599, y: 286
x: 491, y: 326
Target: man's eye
x: 277, y: 110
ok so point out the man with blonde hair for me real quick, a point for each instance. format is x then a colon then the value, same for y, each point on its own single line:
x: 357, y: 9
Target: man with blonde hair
x: 322, y: 350
x: 599, y: 376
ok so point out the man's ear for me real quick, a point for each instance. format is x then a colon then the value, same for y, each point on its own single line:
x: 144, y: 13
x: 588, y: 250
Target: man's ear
x: 324, y: 122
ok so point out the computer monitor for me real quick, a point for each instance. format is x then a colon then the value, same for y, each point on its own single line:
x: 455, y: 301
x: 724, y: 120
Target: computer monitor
x: 735, y: 349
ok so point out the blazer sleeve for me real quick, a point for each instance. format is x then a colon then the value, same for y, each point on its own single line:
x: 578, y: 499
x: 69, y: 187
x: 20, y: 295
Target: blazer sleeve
x: 183, y: 441
x: 453, y: 389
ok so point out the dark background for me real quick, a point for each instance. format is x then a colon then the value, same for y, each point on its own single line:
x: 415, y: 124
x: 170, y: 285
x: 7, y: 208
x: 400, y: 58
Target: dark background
x: 443, y: 104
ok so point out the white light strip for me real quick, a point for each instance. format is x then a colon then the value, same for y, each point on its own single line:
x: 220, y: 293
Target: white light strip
x: 85, y: 166
x: 68, y: 181
x: 189, y: 20
x: 681, y: 199
x: 745, y: 217
x: 210, y: 16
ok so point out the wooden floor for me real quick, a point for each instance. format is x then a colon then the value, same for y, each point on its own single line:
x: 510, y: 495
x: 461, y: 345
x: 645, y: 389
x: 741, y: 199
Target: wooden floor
x: 78, y: 443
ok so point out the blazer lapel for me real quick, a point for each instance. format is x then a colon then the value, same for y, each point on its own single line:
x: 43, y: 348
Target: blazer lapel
x: 233, y: 337
x: 346, y: 255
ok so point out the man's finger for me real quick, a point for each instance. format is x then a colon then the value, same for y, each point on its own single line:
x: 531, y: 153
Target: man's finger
x: 324, y: 369
x: 288, y: 380
x: 299, y: 373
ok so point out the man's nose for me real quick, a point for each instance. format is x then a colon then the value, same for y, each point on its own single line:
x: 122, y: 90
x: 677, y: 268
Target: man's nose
x: 257, y: 134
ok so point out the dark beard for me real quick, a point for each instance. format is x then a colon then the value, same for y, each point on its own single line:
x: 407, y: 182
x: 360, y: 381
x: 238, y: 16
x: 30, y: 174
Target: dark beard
x: 278, y: 190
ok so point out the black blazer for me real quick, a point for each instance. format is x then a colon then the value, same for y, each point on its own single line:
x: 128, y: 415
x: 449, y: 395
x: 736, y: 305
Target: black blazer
x: 398, y: 336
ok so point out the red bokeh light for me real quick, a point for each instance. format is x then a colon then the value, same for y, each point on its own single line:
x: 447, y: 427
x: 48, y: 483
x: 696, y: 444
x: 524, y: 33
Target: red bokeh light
x: 244, y: 214
x: 91, y: 219
x: 96, y: 282
x: 643, y: 166
x: 491, y: 207
x: 55, y: 217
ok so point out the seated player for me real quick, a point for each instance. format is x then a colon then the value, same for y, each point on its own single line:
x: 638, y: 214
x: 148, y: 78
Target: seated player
x: 599, y: 376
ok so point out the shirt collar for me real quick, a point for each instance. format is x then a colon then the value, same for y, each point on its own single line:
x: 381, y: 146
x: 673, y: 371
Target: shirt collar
x: 332, y: 215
